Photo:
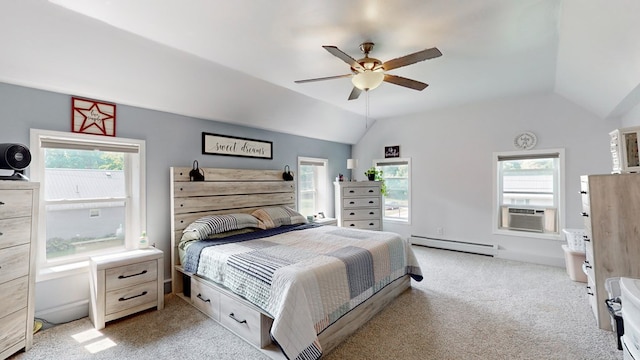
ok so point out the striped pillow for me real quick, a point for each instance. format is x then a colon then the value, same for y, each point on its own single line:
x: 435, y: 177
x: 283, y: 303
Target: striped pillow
x: 206, y: 226
x: 275, y: 216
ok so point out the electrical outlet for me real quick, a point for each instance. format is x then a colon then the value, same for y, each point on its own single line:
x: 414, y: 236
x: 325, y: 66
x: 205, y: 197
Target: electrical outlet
x: 440, y: 231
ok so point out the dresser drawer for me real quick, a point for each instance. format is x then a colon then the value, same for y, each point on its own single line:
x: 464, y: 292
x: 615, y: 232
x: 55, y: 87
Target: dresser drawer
x: 15, y: 203
x: 360, y: 214
x: 362, y: 224
x: 361, y: 191
x: 124, y: 276
x: 14, y: 262
x: 130, y: 297
x: 349, y: 203
x: 13, y: 329
x: 15, y: 231
x: 205, y: 298
x: 244, y: 321
x: 14, y: 295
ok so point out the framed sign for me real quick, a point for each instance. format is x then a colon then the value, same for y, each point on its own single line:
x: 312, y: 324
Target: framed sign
x: 392, y: 151
x: 215, y: 144
x: 93, y: 117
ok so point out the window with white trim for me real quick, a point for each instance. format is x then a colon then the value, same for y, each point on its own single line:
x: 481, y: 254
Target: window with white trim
x: 92, y: 192
x: 313, y: 186
x: 396, y: 173
x: 529, y: 197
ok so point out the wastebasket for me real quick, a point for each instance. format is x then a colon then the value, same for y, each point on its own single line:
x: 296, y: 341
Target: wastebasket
x: 614, y: 306
x: 574, y: 261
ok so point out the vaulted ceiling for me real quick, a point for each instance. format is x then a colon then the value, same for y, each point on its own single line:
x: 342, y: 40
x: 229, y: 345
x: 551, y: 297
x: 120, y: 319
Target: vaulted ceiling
x: 236, y: 61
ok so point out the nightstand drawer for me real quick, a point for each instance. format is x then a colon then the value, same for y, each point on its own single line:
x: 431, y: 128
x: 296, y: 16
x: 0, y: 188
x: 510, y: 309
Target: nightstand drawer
x: 13, y: 329
x: 123, y: 299
x: 15, y: 203
x: 15, y: 231
x: 205, y: 299
x: 361, y: 202
x: 14, y: 262
x: 14, y: 295
x: 246, y: 322
x: 123, y: 276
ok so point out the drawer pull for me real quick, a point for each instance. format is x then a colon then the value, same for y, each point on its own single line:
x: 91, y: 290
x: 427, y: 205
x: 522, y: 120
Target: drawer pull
x: 583, y: 192
x: 351, y: 191
x: 132, y: 297
x: 584, y: 213
x: 352, y: 224
x: 587, y: 265
x: 371, y: 213
x: 128, y: 276
x: 585, y: 238
x: 1, y: 203
x: 371, y: 224
x: 370, y: 201
x: 351, y: 202
x: 203, y: 299
x: 370, y: 190
x: 1, y: 234
x: 236, y: 319
x: 352, y: 214
x: 589, y: 292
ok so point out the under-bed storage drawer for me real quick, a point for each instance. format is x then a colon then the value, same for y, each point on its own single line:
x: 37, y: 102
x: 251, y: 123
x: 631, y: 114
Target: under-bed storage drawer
x: 249, y: 323
x: 205, y: 298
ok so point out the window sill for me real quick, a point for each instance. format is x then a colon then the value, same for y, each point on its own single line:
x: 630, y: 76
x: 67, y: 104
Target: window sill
x: 542, y: 236
x: 60, y: 271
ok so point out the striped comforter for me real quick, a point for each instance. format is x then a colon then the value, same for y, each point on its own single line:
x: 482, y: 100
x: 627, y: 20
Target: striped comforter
x: 306, y: 278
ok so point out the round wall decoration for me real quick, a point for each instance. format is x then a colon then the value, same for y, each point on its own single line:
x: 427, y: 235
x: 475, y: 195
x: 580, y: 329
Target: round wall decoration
x: 525, y: 141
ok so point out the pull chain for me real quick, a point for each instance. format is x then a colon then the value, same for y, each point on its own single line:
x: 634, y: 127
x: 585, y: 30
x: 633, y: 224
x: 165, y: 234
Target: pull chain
x: 366, y: 117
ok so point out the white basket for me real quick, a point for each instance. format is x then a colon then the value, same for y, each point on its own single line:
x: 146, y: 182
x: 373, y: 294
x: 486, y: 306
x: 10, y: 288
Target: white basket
x: 575, y: 239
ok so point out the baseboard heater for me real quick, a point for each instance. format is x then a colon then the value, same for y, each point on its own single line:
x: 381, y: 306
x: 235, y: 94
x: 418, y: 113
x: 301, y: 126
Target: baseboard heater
x: 482, y: 249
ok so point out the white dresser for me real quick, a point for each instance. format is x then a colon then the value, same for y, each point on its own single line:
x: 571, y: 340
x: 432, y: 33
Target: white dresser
x: 125, y: 283
x: 611, y: 209
x: 18, y: 215
x: 358, y: 204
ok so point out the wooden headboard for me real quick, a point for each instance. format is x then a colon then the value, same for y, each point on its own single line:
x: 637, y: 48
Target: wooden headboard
x: 224, y: 191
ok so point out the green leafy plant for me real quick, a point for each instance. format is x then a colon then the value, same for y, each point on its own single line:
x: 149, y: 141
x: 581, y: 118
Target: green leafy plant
x: 375, y: 174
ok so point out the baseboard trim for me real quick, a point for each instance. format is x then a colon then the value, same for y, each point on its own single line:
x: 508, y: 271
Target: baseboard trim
x: 530, y: 258
x: 65, y: 313
x: 474, y: 248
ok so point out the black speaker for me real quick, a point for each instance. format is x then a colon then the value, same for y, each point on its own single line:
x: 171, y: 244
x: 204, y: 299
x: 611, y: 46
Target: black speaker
x: 14, y: 157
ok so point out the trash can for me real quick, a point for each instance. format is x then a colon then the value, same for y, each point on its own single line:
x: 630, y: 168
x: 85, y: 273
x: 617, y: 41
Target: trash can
x: 614, y: 306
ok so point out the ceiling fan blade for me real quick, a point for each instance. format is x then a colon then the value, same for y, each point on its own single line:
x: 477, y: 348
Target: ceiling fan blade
x: 323, y: 78
x: 399, y: 80
x: 354, y: 93
x: 411, y: 59
x: 343, y: 56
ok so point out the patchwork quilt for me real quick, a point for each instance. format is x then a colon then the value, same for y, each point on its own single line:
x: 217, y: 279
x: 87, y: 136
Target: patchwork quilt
x: 304, y: 276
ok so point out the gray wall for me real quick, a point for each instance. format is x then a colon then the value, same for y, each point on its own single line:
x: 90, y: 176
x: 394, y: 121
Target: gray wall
x: 171, y: 140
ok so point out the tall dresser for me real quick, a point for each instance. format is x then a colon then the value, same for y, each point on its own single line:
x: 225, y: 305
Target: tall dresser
x: 18, y: 214
x: 611, y: 211
x: 358, y: 204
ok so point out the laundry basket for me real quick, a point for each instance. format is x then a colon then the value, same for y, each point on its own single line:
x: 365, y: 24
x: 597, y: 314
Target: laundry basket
x: 575, y: 239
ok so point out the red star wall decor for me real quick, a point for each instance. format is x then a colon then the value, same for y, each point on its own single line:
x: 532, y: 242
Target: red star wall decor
x: 93, y: 117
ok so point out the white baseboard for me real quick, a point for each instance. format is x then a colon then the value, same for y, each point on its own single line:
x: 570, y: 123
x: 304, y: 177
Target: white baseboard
x: 483, y: 249
x: 65, y: 313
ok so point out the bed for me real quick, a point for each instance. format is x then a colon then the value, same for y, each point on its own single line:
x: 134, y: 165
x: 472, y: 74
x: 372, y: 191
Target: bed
x: 243, y: 256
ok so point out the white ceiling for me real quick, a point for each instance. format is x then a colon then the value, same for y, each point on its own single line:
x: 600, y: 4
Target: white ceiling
x: 252, y: 51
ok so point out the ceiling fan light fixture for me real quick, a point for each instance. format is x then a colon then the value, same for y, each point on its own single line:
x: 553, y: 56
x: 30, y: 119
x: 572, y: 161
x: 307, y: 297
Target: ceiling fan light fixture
x: 367, y: 80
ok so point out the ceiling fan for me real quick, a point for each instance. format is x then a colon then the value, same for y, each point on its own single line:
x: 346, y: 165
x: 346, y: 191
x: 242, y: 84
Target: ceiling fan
x: 368, y: 73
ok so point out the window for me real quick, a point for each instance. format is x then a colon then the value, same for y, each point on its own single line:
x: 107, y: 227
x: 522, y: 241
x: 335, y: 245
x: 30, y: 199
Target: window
x: 528, y: 191
x: 313, y: 194
x: 92, y: 195
x: 396, y: 173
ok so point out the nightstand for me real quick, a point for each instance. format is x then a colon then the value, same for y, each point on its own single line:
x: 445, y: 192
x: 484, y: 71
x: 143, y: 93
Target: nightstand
x: 326, y: 221
x: 125, y: 283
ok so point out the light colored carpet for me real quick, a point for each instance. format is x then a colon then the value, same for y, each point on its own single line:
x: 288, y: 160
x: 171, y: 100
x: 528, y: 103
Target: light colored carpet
x: 467, y: 307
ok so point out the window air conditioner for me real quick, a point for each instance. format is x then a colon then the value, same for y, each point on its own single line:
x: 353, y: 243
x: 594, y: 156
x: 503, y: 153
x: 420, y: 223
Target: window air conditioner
x: 526, y: 219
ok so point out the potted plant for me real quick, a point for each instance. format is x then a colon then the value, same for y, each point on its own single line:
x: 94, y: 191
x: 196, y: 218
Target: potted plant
x: 374, y: 174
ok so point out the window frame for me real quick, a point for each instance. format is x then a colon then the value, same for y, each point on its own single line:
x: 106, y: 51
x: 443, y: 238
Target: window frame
x: 407, y: 160
x: 135, y: 197
x: 327, y: 193
x: 560, y: 196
